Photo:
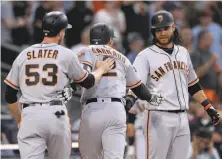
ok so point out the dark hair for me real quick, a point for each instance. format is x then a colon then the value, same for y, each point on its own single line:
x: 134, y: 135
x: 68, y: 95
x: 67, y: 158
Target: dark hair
x: 176, y: 37
x: 204, y: 133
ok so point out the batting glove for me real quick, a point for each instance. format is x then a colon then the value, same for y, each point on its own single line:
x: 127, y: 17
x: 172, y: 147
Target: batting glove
x: 65, y: 95
x: 130, y: 100
x: 156, y: 98
x: 214, y: 115
x: 131, y: 154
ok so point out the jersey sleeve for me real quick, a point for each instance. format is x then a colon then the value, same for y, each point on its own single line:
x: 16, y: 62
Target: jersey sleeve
x: 13, y: 77
x: 192, y: 77
x: 132, y: 79
x: 75, y: 70
x: 86, y: 57
x: 142, y: 66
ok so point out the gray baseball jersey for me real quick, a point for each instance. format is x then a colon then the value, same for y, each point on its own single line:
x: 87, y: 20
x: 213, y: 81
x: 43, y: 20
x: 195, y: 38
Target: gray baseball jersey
x: 103, y: 122
x: 39, y: 72
x: 167, y: 133
x: 169, y: 74
x: 43, y: 69
x: 113, y: 84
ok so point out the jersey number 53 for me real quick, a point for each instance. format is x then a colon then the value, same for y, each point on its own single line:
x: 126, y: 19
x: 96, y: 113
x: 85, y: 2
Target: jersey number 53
x: 31, y: 71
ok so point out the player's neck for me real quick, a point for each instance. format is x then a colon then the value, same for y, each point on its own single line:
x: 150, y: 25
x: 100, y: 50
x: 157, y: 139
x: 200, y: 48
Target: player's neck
x: 48, y: 40
x: 168, y: 46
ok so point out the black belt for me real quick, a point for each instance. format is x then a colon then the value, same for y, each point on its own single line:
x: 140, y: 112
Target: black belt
x: 91, y: 100
x: 51, y: 103
x: 170, y: 111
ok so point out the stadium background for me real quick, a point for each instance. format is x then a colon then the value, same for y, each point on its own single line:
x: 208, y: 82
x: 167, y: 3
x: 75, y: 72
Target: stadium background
x: 21, y: 27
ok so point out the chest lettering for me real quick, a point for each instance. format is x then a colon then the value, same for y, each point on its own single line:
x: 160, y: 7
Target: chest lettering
x: 167, y: 67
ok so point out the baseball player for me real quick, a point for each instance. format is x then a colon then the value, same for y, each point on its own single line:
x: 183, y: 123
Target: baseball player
x: 103, y: 119
x: 39, y: 72
x: 166, y: 66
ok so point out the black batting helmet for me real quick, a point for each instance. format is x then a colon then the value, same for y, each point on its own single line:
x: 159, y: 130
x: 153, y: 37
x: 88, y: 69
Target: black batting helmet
x: 54, y: 22
x: 100, y: 34
x: 162, y: 19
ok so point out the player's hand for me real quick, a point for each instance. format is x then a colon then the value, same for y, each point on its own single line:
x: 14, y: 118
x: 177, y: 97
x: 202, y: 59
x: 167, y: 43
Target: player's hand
x: 214, y: 115
x: 65, y: 95
x: 105, y: 65
x: 156, y: 98
x: 130, y: 152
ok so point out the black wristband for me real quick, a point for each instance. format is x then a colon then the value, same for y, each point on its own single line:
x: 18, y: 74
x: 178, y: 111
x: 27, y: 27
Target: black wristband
x: 131, y: 140
x: 206, y: 104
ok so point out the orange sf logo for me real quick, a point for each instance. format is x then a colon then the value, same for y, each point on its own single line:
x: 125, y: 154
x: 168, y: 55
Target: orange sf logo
x: 160, y: 18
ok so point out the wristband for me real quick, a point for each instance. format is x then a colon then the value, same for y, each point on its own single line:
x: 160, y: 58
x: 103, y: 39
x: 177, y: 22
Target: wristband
x: 206, y: 104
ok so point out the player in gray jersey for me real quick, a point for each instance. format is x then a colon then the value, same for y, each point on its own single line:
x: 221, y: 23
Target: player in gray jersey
x: 103, y: 119
x: 166, y: 66
x: 39, y: 72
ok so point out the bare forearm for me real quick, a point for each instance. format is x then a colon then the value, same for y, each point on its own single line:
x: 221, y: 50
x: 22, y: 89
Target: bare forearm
x: 14, y: 108
x: 199, y: 96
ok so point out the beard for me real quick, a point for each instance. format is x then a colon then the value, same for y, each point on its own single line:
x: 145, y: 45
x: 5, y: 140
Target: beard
x: 165, y: 43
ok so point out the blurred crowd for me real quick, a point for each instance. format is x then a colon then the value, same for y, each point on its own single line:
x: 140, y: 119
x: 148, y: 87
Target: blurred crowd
x: 199, y: 23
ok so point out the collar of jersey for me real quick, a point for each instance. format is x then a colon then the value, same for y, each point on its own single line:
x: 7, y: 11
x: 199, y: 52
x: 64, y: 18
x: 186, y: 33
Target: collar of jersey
x: 44, y: 44
x: 159, y: 50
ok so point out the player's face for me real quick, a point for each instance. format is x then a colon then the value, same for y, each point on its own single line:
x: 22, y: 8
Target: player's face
x: 164, y: 35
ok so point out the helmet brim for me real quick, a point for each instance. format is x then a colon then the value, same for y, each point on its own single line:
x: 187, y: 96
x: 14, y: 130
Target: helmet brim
x: 69, y: 26
x: 162, y: 25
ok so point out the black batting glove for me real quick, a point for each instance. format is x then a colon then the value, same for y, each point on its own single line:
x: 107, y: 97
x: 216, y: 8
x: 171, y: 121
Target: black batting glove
x: 130, y: 100
x: 214, y: 115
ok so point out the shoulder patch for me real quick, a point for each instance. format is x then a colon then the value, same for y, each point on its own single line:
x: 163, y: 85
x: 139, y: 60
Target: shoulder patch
x: 80, y: 54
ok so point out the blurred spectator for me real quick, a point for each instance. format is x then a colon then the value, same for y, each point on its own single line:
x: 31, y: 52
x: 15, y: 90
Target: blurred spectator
x: 84, y: 40
x: 22, y: 11
x: 14, y: 18
x: 202, y: 146
x: 206, y: 23
x: 98, y: 5
x: 205, y: 65
x: 58, y: 6
x: 177, y: 11
x: 7, y: 21
x: 41, y: 10
x: 191, y: 13
x: 79, y: 17
x: 187, y: 39
x: 136, y: 44
x: 112, y: 16
x: 220, y: 88
x: 202, y: 120
x: 155, y: 7
x: 137, y: 18
x: 214, y: 6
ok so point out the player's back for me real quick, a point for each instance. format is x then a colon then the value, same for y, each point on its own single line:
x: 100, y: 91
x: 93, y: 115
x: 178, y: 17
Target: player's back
x: 113, y: 83
x: 42, y: 71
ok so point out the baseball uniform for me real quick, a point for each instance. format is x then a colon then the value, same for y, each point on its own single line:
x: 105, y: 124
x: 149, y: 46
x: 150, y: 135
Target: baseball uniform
x: 103, y: 119
x: 167, y: 130
x: 39, y: 72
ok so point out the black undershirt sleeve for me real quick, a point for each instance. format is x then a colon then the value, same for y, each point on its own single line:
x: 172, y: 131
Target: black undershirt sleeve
x: 194, y: 89
x: 10, y: 95
x: 142, y: 92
